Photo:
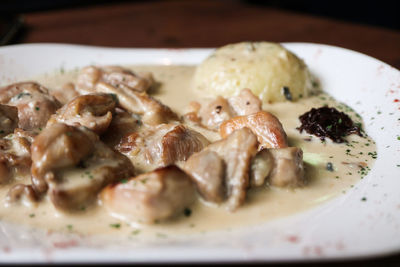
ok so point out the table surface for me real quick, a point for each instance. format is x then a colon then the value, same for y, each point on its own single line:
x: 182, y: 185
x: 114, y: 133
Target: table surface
x: 207, y: 24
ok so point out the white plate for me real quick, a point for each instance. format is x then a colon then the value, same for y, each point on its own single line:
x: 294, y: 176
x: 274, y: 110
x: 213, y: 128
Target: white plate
x: 342, y: 228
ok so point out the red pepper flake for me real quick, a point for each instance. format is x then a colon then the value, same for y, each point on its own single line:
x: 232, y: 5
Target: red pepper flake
x: 396, y: 100
x: 65, y: 244
x: 293, y: 239
x: 318, y: 250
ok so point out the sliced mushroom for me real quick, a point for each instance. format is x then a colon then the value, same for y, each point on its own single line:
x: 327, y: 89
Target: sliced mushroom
x: 150, y: 197
x: 212, y: 114
x: 35, y: 105
x: 65, y: 94
x: 162, y: 145
x: 73, y: 165
x: 94, y: 111
x: 266, y: 126
x: 207, y: 170
x: 122, y: 124
x: 114, y: 76
x: 153, y: 112
x: 8, y: 119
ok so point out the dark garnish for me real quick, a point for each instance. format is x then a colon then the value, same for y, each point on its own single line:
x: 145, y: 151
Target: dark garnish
x: 329, y: 167
x: 328, y: 122
x: 286, y: 93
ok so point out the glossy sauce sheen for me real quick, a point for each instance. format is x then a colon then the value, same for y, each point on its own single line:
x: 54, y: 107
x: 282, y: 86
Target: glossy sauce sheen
x: 262, y: 204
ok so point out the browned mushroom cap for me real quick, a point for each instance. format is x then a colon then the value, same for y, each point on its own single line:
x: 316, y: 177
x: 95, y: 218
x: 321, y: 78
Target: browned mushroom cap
x: 130, y: 90
x: 115, y: 76
x: 34, y: 104
x: 162, y: 145
x: 94, y: 111
x: 150, y: 197
x: 121, y: 124
x: 266, y: 126
x: 56, y: 147
x: 74, y: 165
x: 153, y: 112
x: 8, y: 119
x: 213, y: 113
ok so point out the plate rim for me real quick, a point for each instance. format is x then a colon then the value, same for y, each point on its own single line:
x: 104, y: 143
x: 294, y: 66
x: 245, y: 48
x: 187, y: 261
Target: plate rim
x: 205, y: 50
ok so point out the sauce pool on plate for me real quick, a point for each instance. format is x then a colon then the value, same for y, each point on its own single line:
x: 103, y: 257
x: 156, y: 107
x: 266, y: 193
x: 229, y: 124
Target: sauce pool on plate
x: 330, y: 168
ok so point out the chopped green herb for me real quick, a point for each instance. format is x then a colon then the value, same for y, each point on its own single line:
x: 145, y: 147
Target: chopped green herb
x: 135, y: 232
x: 364, y: 199
x: 32, y: 215
x: 37, y: 108
x: 398, y: 137
x: 144, y: 181
x: 70, y: 226
x: 124, y: 181
x: 68, y: 133
x: 286, y: 92
x: 161, y: 235
x: 115, y: 225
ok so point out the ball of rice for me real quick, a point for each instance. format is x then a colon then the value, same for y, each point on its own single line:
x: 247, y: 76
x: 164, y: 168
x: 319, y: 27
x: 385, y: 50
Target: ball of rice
x: 268, y: 69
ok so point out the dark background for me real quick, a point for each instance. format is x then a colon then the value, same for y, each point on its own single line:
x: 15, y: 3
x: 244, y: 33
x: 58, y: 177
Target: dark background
x: 381, y: 13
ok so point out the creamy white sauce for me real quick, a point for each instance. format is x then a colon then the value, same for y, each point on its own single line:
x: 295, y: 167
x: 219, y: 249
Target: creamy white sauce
x: 262, y: 204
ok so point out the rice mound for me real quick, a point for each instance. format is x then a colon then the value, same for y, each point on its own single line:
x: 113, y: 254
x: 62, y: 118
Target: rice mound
x: 263, y: 67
